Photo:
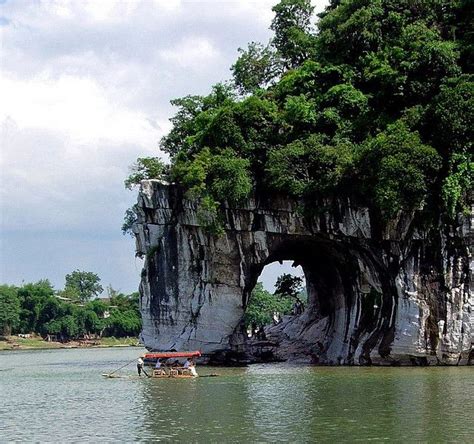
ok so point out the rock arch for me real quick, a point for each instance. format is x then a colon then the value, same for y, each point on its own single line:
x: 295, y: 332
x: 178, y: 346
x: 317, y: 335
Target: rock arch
x: 374, y: 298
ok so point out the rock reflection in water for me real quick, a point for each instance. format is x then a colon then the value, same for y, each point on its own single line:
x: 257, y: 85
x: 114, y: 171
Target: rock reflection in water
x: 62, y: 397
x: 273, y: 403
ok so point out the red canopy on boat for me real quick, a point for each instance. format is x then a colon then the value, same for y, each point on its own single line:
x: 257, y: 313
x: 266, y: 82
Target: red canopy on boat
x: 165, y: 355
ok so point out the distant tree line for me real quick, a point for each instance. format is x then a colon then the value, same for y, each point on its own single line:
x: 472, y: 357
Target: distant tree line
x: 76, y: 312
x: 72, y: 313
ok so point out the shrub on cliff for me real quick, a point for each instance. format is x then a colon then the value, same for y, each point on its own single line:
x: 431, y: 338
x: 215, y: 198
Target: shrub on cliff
x: 144, y: 168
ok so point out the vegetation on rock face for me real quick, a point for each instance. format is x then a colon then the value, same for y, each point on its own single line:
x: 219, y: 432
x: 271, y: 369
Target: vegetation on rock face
x: 144, y: 168
x: 70, y: 313
x: 376, y: 101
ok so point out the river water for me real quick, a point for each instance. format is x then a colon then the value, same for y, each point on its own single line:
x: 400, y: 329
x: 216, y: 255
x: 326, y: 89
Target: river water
x: 60, y: 395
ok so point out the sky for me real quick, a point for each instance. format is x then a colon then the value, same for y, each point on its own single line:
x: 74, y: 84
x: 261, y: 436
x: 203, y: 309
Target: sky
x: 85, y: 88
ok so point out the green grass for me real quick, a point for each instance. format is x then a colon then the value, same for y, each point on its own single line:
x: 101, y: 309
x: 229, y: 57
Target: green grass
x: 16, y: 343
x: 112, y: 341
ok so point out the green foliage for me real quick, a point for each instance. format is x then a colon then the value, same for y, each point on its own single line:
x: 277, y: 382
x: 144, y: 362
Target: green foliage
x: 36, y: 308
x: 427, y: 59
x: 193, y: 173
x: 193, y: 116
x: 310, y: 167
x: 292, y: 27
x: 129, y: 219
x: 453, y: 112
x: 289, y: 286
x: 311, y: 79
x: 399, y: 168
x: 229, y: 177
x: 125, y: 320
x: 51, y: 309
x: 85, y: 284
x: 262, y: 306
x: 458, y: 183
x: 98, y: 306
x: 33, y: 297
x: 376, y: 101
x: 69, y: 326
x: 347, y: 100
x: 212, y: 178
x: 287, y: 168
x: 299, y: 110
x: 144, y: 168
x: 124, y: 323
x: 9, y: 309
x: 208, y: 215
x: 255, y: 68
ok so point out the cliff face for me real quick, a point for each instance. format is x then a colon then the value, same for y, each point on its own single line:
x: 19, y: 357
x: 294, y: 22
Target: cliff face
x: 397, y: 297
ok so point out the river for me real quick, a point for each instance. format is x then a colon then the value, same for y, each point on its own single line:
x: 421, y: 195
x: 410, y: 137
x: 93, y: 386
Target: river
x: 60, y: 395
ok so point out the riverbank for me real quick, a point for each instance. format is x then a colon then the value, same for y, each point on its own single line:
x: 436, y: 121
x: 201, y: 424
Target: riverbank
x: 37, y: 343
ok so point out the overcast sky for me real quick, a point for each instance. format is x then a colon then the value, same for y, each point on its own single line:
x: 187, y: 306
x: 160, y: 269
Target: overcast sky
x: 85, y: 89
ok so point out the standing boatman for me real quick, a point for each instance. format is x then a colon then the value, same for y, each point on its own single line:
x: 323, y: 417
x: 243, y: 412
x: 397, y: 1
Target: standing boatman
x: 140, y: 365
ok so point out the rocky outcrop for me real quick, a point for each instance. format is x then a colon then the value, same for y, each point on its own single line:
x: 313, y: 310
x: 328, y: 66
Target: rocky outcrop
x: 398, y: 296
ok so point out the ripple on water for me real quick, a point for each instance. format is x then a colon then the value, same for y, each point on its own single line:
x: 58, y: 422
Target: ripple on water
x: 59, y: 395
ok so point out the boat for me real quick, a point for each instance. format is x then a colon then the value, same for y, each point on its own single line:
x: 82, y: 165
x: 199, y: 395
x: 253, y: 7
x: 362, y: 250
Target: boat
x: 171, y: 367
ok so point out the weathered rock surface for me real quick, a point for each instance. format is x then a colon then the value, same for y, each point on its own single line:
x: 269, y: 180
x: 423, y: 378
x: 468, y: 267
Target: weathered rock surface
x: 402, y: 296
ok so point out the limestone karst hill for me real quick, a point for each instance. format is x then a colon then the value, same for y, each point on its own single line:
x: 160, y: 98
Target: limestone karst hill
x: 398, y: 297
x: 346, y: 147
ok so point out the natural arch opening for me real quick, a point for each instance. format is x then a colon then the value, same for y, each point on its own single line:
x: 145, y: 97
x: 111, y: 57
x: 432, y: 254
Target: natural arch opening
x: 344, y: 315
x: 279, y: 292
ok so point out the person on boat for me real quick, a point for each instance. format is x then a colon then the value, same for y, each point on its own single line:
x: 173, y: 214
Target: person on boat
x: 192, y: 368
x: 140, y: 365
x: 159, y: 368
x: 187, y: 363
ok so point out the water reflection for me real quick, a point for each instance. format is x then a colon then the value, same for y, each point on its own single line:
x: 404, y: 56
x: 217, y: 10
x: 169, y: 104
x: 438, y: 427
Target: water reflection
x: 203, y: 408
x: 60, y: 396
x: 279, y: 395
x: 273, y: 403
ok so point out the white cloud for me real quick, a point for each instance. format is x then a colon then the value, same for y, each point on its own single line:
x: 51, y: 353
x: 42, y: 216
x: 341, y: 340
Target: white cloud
x: 75, y: 106
x: 85, y: 89
x: 191, y: 52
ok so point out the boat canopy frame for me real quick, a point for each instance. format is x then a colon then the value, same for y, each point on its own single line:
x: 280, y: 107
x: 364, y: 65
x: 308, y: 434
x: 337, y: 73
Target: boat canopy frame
x: 168, y: 355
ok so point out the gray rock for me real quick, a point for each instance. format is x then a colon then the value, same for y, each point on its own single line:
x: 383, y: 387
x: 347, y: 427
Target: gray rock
x: 401, y: 296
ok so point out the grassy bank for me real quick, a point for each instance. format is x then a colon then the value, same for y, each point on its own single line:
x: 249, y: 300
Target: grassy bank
x: 37, y: 342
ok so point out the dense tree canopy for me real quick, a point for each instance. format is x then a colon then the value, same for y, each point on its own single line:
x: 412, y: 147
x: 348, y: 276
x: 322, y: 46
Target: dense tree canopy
x: 374, y: 100
x: 39, y: 308
x: 9, y: 309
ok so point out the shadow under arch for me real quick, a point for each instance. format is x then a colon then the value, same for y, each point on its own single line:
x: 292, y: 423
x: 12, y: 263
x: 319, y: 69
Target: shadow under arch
x: 350, y: 309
